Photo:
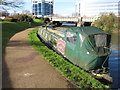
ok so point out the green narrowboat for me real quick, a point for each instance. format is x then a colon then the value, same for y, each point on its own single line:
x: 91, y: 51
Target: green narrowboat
x: 87, y: 47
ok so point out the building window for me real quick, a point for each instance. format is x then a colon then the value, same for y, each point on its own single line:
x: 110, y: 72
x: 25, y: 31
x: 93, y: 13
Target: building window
x: 42, y: 7
x: 35, y: 13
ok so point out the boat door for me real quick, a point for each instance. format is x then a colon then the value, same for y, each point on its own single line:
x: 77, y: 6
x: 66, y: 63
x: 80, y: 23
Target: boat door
x: 71, y: 43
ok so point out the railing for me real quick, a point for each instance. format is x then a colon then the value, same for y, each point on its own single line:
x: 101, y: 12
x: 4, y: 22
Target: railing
x: 74, y: 19
x: 65, y: 19
x: 89, y: 19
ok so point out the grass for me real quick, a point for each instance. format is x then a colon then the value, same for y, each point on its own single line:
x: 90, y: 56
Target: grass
x: 76, y: 75
x: 38, y: 20
x: 10, y: 28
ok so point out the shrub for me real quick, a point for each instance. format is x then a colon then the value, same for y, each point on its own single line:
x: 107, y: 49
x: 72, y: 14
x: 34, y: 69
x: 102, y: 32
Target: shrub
x: 24, y: 17
x: 46, y: 20
x: 7, y: 19
x: 14, y: 16
x: 36, y: 17
x: 14, y: 20
x: 10, y: 19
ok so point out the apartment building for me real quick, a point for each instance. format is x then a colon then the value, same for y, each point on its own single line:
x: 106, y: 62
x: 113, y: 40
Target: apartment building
x: 94, y: 9
x: 42, y: 7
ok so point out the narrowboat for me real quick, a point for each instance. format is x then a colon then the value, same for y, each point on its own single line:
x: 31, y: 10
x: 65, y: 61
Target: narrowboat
x: 87, y: 47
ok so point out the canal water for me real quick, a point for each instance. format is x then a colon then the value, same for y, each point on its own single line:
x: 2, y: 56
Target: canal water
x: 114, y: 58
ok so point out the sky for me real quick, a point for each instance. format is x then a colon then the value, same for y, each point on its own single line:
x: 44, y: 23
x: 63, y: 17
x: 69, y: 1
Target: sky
x: 63, y: 7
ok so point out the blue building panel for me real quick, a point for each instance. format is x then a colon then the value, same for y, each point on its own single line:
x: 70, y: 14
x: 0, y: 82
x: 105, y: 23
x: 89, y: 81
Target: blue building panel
x: 43, y: 8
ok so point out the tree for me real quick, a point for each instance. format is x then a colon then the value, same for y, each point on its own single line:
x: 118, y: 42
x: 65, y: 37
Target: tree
x: 25, y: 18
x: 26, y: 12
x: 11, y: 4
x: 46, y: 20
x: 4, y: 13
x: 107, y: 22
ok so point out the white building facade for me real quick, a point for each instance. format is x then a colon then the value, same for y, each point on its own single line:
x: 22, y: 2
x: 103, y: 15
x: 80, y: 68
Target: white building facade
x: 94, y: 9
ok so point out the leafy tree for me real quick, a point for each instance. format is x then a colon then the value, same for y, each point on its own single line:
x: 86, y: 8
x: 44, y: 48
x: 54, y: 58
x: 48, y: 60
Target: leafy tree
x: 107, y: 22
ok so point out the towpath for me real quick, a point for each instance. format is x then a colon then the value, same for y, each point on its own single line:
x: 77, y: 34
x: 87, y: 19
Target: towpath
x: 23, y: 67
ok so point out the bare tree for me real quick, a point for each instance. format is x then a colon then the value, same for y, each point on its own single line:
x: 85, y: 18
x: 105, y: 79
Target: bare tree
x: 11, y: 4
x: 26, y: 12
x: 4, y: 13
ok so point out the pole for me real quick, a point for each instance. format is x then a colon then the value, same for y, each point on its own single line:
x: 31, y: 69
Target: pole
x: 51, y: 4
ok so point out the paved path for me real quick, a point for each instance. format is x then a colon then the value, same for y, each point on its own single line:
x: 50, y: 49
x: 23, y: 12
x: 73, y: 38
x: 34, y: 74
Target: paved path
x: 23, y: 67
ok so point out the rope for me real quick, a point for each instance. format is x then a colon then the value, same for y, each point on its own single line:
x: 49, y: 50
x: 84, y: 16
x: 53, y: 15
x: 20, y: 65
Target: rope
x: 104, y: 68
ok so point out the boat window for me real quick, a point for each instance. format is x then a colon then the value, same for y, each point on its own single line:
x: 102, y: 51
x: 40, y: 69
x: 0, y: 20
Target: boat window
x: 49, y: 37
x: 40, y: 31
x: 43, y: 33
x: 81, y: 39
x: 100, y: 40
x: 54, y: 40
x: 71, y: 37
x: 46, y: 34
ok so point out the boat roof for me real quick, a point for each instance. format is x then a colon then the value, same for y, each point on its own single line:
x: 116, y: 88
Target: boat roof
x: 88, y: 30
x: 59, y: 33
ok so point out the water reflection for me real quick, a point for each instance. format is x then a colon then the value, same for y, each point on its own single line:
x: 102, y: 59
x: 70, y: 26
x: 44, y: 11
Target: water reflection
x: 114, y: 61
x: 68, y: 24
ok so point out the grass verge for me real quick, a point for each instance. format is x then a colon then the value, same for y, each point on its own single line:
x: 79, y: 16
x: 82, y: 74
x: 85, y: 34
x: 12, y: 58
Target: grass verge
x: 10, y: 28
x: 74, y: 74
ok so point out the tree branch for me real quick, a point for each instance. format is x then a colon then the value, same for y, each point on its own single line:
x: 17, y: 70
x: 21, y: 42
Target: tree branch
x: 12, y: 4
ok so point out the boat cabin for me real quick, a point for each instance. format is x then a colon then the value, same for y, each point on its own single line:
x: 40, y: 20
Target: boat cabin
x: 87, y: 47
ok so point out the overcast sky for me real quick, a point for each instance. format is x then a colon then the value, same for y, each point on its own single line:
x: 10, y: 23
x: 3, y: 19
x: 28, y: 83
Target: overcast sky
x: 64, y: 7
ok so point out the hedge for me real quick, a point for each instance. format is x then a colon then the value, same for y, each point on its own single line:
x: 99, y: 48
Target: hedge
x: 10, y: 19
x: 76, y: 75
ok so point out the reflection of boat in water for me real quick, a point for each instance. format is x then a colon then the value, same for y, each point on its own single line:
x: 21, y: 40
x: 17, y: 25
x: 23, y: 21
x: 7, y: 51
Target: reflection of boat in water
x: 86, y: 47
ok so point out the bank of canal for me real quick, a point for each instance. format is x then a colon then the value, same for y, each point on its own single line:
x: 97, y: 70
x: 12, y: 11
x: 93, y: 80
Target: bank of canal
x: 114, y: 58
